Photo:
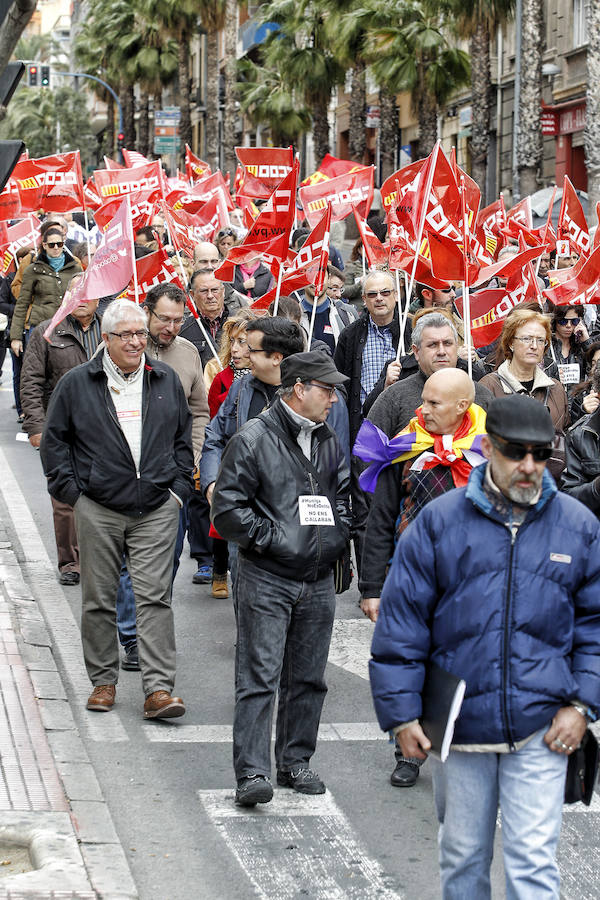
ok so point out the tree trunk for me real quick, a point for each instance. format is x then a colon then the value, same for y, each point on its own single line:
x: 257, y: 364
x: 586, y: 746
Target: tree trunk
x: 185, y: 122
x: 320, y: 131
x: 480, y: 103
x: 127, y: 105
x: 428, y: 123
x: 357, y: 144
x: 529, y: 139
x: 592, y: 110
x: 388, y: 133
x: 230, y: 113
x: 110, y: 126
x: 143, y: 124
x: 12, y: 28
x: 212, y: 100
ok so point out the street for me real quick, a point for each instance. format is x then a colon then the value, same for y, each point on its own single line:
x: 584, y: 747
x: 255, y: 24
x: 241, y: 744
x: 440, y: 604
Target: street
x: 169, y: 786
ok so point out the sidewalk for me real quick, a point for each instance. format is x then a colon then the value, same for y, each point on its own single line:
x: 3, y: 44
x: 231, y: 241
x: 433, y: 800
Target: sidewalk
x: 57, y: 838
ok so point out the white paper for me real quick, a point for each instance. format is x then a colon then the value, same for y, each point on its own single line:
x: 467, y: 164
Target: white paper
x: 569, y: 373
x: 315, y: 509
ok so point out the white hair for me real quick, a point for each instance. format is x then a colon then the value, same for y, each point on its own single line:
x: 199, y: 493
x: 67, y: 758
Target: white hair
x: 122, y: 310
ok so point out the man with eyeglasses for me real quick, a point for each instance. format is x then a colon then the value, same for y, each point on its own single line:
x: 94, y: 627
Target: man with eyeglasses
x: 485, y: 584
x: 117, y: 447
x: 165, y: 304
x: 208, y: 258
x: 282, y: 496
x: 362, y: 350
x: 331, y: 315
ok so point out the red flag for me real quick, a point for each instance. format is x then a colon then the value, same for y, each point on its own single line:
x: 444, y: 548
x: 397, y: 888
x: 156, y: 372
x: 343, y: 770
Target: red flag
x: 581, y: 287
x: 112, y: 164
x: 341, y: 193
x: 142, y: 210
x: 572, y: 225
x: 374, y: 250
x: 403, y: 180
x: 186, y: 230
x: 267, y: 165
x: 109, y: 271
x: 10, y: 201
x: 133, y: 158
x: 152, y: 269
x: 521, y: 213
x: 211, y: 185
x: 270, y: 232
x: 308, y: 267
x: 24, y: 234
x: 489, y: 225
x: 52, y: 183
x: 193, y: 200
x: 194, y: 166
x: 331, y: 167
x: 92, y: 198
x: 118, y: 182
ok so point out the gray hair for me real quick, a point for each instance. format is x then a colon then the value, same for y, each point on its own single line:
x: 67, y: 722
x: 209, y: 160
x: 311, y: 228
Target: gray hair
x: 431, y: 320
x: 122, y: 310
x: 376, y: 273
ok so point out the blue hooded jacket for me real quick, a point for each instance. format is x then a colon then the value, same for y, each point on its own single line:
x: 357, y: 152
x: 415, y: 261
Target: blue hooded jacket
x: 514, y: 613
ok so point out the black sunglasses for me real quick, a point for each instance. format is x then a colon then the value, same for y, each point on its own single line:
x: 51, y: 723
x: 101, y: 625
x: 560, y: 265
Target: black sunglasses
x: 574, y: 320
x: 55, y: 244
x: 517, y: 452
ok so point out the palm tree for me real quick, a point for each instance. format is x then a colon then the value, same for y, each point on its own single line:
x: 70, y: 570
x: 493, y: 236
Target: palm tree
x: 267, y: 101
x: 529, y: 137
x: 478, y: 20
x: 231, y: 96
x: 347, y: 27
x: 212, y: 16
x: 411, y: 50
x: 11, y: 29
x: 388, y: 132
x: 592, y: 110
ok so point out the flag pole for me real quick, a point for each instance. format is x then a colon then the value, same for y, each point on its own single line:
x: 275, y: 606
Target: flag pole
x: 136, y: 288
x: 278, y: 289
x: 192, y: 308
x: 466, y: 295
x: 402, y: 317
x: 426, y: 194
x: 311, y: 326
x: 87, y: 230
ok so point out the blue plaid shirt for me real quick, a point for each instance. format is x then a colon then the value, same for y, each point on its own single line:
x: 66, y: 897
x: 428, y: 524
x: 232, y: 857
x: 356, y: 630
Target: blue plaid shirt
x: 378, y: 349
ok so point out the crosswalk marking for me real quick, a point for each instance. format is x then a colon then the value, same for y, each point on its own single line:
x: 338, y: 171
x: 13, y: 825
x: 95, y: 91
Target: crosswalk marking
x: 222, y: 734
x: 298, y: 845
x: 351, y: 646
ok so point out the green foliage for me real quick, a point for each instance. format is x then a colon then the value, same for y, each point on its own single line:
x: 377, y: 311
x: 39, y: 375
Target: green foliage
x: 266, y: 100
x: 33, y: 116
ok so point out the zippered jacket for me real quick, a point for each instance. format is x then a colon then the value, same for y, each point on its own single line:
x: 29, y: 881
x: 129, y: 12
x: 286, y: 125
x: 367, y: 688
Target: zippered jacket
x: 84, y: 449
x: 255, y: 501
x: 515, y: 612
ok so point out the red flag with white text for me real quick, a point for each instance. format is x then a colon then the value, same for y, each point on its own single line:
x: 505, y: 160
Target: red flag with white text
x: 194, y: 166
x: 119, y: 182
x: 375, y: 252
x: 141, y: 205
x: 342, y: 193
x: 152, y: 269
x: 572, y: 225
x: 133, y: 158
x: 331, y: 167
x: 52, y: 183
x: 25, y: 233
x: 267, y: 167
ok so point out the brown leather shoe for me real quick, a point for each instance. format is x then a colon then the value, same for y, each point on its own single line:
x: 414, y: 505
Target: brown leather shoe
x: 102, y: 698
x: 219, y: 587
x: 160, y: 705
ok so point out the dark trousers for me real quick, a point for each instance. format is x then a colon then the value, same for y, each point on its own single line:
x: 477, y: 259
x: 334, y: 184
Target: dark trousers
x: 201, y: 545
x: 360, y: 509
x: 65, y: 534
x: 283, y: 636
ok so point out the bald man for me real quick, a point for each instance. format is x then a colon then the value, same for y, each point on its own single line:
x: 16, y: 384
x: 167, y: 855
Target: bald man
x: 405, y: 487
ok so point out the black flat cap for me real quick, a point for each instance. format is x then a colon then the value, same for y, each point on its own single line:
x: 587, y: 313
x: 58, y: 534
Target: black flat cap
x: 521, y: 419
x: 306, y: 366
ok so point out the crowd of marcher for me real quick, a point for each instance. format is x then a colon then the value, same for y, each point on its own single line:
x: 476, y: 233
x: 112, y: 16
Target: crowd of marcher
x: 271, y: 445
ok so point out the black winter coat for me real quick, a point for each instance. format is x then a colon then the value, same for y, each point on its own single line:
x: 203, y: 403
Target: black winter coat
x: 255, y: 501
x: 84, y: 449
x: 580, y: 478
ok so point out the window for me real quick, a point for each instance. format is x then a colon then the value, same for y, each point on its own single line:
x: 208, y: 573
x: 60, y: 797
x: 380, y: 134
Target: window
x: 580, y: 35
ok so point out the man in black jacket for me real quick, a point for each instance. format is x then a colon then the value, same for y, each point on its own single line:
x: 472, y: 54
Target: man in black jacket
x: 117, y: 447
x: 362, y: 350
x: 282, y: 496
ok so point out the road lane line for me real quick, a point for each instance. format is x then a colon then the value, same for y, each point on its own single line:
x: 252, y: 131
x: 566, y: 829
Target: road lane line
x: 222, y: 734
x: 58, y: 617
x: 297, y: 845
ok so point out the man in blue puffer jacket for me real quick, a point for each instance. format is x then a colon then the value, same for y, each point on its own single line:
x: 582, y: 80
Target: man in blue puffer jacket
x: 498, y: 583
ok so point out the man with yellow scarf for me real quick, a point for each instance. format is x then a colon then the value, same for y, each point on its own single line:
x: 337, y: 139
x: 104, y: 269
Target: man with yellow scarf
x: 433, y: 454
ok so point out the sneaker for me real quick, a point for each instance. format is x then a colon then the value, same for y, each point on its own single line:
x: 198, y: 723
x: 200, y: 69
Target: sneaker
x: 131, y: 660
x: 69, y: 578
x: 203, y: 575
x: 219, y: 587
x: 253, y: 789
x: 305, y: 781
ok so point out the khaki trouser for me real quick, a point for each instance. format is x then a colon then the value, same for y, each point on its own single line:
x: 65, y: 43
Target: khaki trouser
x: 148, y: 543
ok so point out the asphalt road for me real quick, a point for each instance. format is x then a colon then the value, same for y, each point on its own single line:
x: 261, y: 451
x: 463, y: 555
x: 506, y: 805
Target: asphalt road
x: 170, y: 787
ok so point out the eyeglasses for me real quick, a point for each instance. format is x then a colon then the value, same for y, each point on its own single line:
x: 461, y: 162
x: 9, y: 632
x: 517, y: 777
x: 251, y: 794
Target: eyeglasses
x: 127, y: 336
x: 372, y: 295
x: 448, y: 290
x: 575, y: 320
x: 334, y: 290
x: 324, y: 387
x: 255, y: 350
x: 532, y: 341
x: 55, y: 244
x: 166, y: 320
x: 204, y: 292
x: 226, y: 232
x: 518, y: 452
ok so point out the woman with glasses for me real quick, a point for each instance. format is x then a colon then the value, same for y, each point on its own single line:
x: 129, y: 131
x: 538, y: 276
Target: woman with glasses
x: 525, y: 337
x: 570, y: 340
x: 44, y: 284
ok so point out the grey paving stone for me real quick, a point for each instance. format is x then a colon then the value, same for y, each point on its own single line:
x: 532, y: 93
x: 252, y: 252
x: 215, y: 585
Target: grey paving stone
x: 47, y: 685
x: 56, y: 715
x: 79, y: 781
x: 109, y: 871
x: 93, y: 823
x: 35, y: 633
x: 39, y: 658
x: 67, y: 746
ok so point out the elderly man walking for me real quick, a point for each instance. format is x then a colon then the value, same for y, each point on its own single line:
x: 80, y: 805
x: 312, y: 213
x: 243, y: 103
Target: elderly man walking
x: 497, y: 583
x: 117, y: 447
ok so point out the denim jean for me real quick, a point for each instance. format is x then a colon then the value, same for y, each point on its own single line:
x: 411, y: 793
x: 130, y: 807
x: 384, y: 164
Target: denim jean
x: 283, y: 636
x: 528, y: 786
x: 126, y: 625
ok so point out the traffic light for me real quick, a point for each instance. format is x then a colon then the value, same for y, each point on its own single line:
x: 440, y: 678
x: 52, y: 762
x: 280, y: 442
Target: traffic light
x: 33, y: 76
x: 45, y: 76
x: 120, y: 140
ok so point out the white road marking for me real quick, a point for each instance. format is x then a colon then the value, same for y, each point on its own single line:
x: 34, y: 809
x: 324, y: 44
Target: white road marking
x: 60, y: 622
x: 351, y: 645
x: 297, y: 845
x: 222, y: 734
